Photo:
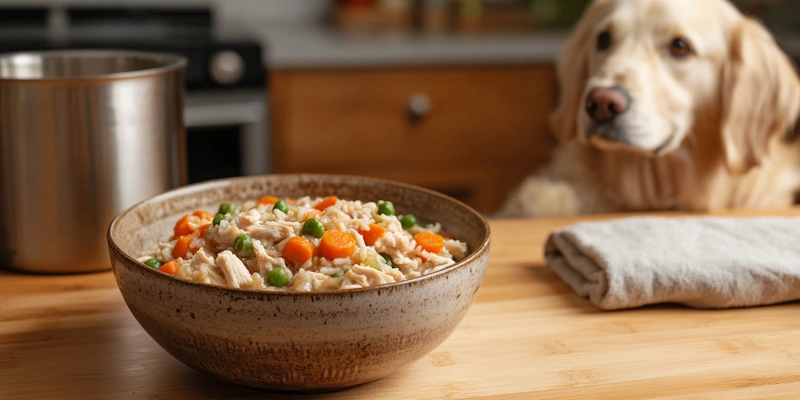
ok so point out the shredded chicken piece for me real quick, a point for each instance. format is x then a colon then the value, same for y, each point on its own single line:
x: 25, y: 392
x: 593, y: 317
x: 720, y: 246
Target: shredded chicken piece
x: 332, y: 283
x: 272, y: 232
x: 227, y: 233
x: 249, y: 218
x: 262, y: 255
x: 374, y: 277
x: 354, y: 280
x: 402, y: 261
x: 456, y: 248
x: 435, y: 263
x: 413, y: 274
x: 202, y: 259
x: 208, y: 276
x: 236, y: 274
x: 264, y: 260
x: 184, y: 271
x: 206, y: 269
x: 307, y: 281
x: 394, y: 273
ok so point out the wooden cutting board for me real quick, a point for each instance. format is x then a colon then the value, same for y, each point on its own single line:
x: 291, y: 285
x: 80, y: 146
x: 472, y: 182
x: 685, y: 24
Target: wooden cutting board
x: 527, y: 336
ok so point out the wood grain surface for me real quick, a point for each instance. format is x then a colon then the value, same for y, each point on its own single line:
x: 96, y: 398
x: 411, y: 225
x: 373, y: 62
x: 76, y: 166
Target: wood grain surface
x: 527, y: 336
x: 486, y: 130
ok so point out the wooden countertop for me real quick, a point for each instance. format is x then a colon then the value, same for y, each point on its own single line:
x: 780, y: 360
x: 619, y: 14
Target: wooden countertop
x: 527, y: 336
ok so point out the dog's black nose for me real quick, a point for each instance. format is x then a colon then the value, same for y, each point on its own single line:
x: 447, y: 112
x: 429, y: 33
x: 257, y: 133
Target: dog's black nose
x: 604, y: 104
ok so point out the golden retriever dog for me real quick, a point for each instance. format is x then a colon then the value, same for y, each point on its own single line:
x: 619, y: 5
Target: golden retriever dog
x: 668, y: 105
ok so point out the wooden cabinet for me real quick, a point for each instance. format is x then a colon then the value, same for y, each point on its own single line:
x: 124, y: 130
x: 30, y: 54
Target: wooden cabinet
x: 485, y: 129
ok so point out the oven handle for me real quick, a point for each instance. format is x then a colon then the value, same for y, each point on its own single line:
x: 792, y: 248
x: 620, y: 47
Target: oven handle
x: 221, y: 109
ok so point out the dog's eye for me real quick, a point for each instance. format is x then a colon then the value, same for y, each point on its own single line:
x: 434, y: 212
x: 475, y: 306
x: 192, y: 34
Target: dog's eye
x: 679, y: 48
x: 603, y: 41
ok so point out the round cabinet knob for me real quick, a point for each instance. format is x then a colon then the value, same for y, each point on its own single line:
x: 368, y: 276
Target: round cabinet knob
x: 419, y: 106
x: 227, y: 67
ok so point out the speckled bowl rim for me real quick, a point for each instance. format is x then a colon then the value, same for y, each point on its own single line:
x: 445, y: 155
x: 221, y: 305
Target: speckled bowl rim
x: 198, y: 187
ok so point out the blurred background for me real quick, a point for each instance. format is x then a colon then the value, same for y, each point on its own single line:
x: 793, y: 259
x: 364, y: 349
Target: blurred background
x: 452, y: 95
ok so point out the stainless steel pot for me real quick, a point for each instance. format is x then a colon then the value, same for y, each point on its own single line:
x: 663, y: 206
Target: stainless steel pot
x: 83, y: 136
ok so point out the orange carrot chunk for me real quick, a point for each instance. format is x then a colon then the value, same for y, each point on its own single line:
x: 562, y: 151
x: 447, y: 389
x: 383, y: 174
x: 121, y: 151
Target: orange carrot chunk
x: 298, y: 249
x: 312, y: 214
x: 170, y: 268
x: 325, y: 203
x: 337, y: 244
x: 430, y: 242
x: 266, y: 200
x: 182, y: 227
x: 201, y: 230
x: 204, y: 215
x: 182, y: 246
x: 372, y: 235
x: 291, y: 201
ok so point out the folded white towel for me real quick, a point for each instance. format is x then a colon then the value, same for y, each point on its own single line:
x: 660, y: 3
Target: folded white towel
x: 700, y: 262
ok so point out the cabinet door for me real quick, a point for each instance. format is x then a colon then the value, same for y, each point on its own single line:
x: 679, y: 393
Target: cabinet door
x: 472, y: 132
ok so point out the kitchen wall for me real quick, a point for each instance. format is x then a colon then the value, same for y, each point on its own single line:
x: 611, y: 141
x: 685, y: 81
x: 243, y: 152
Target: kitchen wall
x: 230, y: 14
x: 282, y: 12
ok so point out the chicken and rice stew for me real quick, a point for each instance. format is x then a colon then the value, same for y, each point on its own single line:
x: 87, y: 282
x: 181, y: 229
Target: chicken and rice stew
x: 303, y: 245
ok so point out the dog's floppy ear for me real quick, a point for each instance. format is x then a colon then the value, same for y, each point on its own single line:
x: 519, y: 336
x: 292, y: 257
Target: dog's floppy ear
x: 572, y: 71
x: 760, y: 96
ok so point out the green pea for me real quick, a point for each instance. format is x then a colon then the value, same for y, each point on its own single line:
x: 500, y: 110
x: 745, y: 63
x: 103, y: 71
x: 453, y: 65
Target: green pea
x: 337, y: 275
x: 408, y: 221
x: 226, y: 208
x: 243, y: 244
x: 153, y: 263
x: 388, y: 259
x: 219, y: 218
x: 313, y: 227
x: 385, y: 207
x: 281, y: 205
x: 278, y: 277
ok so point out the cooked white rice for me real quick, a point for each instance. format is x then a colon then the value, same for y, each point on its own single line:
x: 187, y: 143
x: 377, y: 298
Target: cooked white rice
x: 213, y: 260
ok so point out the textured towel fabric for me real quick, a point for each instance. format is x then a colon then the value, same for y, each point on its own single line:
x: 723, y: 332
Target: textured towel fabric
x: 700, y: 262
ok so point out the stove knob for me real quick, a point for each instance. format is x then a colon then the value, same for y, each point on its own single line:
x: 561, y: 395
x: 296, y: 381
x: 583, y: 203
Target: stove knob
x: 227, y: 67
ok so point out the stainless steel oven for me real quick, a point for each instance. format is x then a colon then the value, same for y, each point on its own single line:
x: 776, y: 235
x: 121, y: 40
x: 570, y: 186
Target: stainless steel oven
x: 227, y: 134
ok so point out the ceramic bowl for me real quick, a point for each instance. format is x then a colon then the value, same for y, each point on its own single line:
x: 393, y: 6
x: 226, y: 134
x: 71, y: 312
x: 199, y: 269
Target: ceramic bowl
x: 296, y: 342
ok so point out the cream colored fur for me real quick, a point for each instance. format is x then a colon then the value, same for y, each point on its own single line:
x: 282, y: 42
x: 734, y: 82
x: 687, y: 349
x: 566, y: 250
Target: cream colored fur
x: 724, y: 112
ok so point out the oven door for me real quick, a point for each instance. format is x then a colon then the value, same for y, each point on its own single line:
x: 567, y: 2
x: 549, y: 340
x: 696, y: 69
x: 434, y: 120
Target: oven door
x: 227, y: 134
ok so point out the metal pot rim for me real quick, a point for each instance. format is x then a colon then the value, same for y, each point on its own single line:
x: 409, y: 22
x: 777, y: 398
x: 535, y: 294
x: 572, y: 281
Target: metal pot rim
x: 169, y: 63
